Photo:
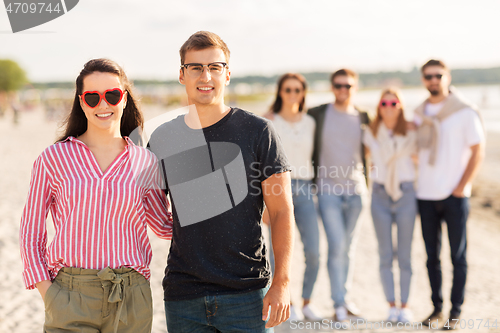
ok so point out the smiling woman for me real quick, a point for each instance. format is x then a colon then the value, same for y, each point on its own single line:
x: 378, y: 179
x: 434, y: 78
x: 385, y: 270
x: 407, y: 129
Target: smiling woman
x: 102, y: 74
x: 102, y: 191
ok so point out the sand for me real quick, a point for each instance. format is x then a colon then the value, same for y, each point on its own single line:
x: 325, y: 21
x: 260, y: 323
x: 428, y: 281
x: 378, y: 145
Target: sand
x: 22, y: 311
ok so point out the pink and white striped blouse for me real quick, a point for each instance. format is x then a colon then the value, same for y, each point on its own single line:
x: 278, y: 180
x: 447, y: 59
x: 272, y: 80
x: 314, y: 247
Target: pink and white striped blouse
x: 99, y: 218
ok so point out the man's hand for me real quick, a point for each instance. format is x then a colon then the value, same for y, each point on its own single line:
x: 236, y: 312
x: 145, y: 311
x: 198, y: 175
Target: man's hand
x: 458, y: 192
x: 42, y: 287
x: 278, y: 298
x: 477, y: 156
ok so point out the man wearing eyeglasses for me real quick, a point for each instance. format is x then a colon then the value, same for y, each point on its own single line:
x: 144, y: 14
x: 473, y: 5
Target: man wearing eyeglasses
x: 226, y: 163
x: 339, y: 166
x: 451, y: 148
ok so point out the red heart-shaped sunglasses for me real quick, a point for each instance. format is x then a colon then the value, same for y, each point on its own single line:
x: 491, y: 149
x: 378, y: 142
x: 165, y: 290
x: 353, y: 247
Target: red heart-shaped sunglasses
x: 111, y: 96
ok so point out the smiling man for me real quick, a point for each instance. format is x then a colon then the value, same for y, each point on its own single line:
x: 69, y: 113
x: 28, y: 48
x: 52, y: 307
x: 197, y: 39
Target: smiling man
x: 221, y: 164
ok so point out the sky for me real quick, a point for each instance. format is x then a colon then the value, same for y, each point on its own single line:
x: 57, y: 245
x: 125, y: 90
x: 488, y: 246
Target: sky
x: 266, y: 37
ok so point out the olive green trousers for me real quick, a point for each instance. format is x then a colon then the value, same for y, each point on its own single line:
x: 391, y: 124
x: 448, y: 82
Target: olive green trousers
x: 92, y: 301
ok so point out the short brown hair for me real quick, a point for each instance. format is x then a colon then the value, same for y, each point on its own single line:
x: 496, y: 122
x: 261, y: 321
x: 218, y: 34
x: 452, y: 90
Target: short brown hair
x: 203, y: 40
x: 343, y: 72
x: 434, y: 62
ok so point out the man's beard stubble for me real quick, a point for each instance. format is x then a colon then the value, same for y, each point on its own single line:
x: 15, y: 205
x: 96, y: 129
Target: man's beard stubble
x: 434, y: 92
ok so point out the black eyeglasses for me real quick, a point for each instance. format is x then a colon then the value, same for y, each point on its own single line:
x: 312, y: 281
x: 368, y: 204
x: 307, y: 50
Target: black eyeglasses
x: 339, y: 86
x: 214, y: 68
x: 296, y: 90
x: 429, y: 77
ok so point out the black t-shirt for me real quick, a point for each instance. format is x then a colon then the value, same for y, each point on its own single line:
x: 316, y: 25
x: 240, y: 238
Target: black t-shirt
x: 214, y: 180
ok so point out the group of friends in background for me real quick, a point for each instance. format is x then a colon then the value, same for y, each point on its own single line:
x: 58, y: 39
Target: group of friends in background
x: 103, y: 190
x: 328, y: 148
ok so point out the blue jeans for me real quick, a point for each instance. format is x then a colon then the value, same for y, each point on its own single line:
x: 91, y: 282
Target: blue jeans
x: 307, y: 223
x: 340, y: 216
x: 385, y: 212
x: 454, y: 211
x: 224, y: 313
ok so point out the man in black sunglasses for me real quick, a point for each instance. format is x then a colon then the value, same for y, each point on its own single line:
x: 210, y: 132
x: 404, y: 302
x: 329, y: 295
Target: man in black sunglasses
x: 451, y: 147
x: 339, y: 167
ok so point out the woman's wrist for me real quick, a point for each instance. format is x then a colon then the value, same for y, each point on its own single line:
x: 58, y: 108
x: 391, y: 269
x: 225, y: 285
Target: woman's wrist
x: 43, y: 286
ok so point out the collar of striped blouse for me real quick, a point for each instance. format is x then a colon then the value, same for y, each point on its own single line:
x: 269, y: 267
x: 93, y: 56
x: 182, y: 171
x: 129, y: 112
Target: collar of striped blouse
x: 76, y: 140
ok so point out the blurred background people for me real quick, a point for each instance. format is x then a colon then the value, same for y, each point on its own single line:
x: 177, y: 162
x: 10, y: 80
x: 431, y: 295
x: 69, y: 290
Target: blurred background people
x: 296, y: 130
x: 450, y: 139
x: 391, y: 141
x: 339, y: 165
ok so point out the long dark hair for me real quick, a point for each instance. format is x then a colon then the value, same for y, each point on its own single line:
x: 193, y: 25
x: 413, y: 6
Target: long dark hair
x: 401, y: 122
x: 76, y: 122
x: 278, y: 102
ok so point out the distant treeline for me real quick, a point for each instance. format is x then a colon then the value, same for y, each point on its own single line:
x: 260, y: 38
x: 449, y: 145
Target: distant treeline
x: 375, y: 80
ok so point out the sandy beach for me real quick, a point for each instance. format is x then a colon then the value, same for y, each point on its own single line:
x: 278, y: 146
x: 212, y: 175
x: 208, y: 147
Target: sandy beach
x: 22, y: 311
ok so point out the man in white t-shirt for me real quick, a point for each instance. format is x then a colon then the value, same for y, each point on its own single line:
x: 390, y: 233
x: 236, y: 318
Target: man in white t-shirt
x: 451, y: 147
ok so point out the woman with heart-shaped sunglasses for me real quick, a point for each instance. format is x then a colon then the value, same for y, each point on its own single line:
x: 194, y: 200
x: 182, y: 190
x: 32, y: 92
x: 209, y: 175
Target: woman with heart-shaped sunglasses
x: 102, y: 191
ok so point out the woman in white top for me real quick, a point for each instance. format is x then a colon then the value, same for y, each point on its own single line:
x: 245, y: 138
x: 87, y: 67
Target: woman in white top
x: 391, y: 141
x: 296, y: 130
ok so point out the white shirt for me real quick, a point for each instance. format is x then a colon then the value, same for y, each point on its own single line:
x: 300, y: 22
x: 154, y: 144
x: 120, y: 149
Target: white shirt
x: 432, y: 109
x: 378, y: 173
x: 298, y: 140
x: 458, y: 133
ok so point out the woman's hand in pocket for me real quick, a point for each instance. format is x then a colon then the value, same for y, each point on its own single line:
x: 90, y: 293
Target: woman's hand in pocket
x: 42, y: 287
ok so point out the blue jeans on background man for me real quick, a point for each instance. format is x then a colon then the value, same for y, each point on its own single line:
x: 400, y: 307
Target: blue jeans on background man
x: 307, y: 222
x: 232, y: 313
x: 403, y: 212
x: 340, y: 215
x: 454, y: 211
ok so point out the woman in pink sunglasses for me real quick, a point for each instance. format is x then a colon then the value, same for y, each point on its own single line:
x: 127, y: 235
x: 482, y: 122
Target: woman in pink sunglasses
x: 102, y: 192
x: 391, y: 142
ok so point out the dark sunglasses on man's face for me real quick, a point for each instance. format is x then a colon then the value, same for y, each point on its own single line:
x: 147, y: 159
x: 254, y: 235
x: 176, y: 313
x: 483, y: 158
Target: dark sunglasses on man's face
x: 289, y: 91
x: 339, y: 86
x: 429, y: 77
